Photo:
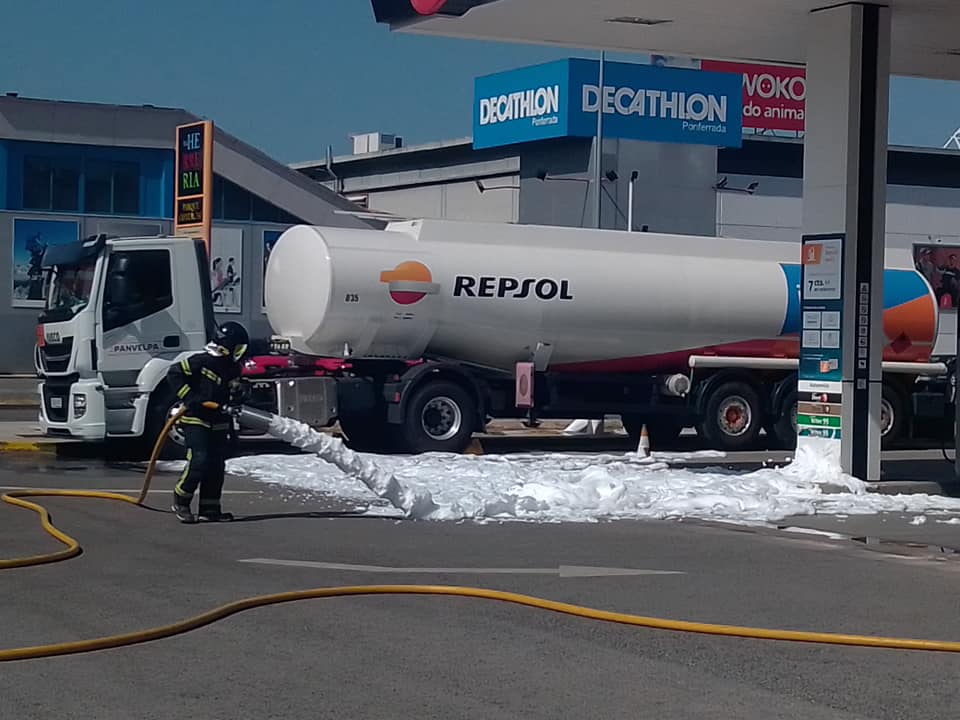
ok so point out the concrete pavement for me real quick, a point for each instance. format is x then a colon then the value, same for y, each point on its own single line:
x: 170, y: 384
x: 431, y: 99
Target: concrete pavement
x: 389, y: 657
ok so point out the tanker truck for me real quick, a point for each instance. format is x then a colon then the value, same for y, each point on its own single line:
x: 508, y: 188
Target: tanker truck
x: 414, y: 337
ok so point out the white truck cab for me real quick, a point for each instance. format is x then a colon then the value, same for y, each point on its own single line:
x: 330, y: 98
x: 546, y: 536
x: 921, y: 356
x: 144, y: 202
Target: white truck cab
x: 118, y: 313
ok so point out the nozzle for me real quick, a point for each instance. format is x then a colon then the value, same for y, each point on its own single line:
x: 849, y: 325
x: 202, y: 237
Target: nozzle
x: 254, y: 419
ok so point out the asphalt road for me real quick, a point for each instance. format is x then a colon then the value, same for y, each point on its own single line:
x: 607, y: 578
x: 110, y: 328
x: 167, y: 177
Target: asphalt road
x: 428, y: 657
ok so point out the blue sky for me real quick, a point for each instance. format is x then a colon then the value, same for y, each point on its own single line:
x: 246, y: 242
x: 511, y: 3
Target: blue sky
x: 292, y: 76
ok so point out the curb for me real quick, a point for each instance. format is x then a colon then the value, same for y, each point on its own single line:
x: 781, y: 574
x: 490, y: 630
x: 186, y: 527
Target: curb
x: 27, y: 446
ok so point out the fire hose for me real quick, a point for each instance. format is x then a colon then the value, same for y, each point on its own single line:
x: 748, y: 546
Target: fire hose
x: 382, y: 484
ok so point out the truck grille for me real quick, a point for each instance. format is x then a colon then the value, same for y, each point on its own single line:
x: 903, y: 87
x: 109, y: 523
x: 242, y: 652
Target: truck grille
x: 55, y: 357
x: 55, y: 402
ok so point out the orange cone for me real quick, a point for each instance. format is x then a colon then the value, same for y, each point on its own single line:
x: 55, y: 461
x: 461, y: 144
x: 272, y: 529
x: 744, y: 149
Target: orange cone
x: 643, y: 447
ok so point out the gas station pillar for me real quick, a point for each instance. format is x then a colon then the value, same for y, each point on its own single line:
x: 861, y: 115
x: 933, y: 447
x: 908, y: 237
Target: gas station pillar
x: 844, y: 209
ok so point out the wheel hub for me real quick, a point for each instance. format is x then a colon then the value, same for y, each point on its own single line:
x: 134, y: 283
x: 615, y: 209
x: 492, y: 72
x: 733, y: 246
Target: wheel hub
x: 734, y: 416
x: 441, y: 418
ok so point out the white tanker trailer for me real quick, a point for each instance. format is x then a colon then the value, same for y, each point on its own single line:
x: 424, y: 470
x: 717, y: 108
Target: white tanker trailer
x: 437, y: 326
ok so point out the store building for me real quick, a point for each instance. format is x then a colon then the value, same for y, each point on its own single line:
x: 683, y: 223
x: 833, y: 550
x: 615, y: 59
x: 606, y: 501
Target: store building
x: 69, y: 170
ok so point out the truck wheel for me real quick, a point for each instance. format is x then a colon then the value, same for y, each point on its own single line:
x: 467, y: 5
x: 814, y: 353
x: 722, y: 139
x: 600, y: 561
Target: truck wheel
x: 441, y: 417
x: 784, y: 429
x: 892, y: 417
x: 732, y: 417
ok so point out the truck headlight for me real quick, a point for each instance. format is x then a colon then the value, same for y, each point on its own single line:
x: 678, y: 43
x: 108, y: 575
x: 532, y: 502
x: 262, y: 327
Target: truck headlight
x: 79, y: 405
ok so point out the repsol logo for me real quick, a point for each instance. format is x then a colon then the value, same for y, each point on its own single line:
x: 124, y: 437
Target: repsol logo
x: 491, y: 286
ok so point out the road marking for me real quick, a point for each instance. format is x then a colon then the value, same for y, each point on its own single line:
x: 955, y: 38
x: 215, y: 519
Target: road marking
x: 569, y: 571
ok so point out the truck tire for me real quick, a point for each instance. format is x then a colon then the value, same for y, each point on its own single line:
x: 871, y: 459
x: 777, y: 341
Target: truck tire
x: 893, y: 418
x: 162, y: 406
x: 783, y: 428
x: 440, y: 417
x: 732, y: 417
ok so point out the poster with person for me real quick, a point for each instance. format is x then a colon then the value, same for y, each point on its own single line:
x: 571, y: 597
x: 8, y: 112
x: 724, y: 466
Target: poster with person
x: 226, y: 269
x: 31, y: 238
x: 940, y: 265
x: 270, y: 238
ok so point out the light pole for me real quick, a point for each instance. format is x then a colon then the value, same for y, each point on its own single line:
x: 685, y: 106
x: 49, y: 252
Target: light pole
x: 598, y: 148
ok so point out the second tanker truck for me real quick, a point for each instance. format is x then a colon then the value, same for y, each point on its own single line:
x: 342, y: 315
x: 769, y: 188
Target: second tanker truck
x: 414, y: 337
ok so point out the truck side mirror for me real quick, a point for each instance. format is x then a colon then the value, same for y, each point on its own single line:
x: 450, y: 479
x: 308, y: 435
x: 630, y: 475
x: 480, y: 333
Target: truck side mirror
x: 118, y: 291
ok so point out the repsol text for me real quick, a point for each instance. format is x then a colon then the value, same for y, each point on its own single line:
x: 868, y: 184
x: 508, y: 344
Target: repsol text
x: 492, y: 286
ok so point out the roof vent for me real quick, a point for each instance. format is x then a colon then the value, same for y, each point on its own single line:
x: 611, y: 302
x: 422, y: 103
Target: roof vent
x: 375, y: 142
x: 632, y: 20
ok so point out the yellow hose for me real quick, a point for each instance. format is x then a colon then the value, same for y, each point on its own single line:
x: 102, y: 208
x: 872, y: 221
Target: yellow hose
x: 142, y: 636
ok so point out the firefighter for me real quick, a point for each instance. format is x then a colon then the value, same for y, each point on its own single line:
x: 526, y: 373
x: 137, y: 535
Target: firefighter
x: 204, y: 382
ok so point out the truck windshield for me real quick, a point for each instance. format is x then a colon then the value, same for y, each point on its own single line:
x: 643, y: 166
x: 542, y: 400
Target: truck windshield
x: 68, y: 291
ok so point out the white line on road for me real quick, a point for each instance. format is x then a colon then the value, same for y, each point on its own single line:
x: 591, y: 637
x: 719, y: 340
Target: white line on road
x: 122, y: 490
x: 561, y: 571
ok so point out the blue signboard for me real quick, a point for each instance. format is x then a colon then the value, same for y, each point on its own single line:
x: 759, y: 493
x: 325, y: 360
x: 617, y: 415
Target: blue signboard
x: 820, y: 377
x: 639, y: 102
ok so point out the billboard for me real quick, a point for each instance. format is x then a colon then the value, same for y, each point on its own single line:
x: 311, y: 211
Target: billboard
x: 940, y: 265
x: 638, y: 102
x: 226, y: 269
x: 774, y: 96
x: 31, y: 238
x: 193, y: 189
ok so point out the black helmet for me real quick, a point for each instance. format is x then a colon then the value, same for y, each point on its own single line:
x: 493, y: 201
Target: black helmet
x: 232, y: 339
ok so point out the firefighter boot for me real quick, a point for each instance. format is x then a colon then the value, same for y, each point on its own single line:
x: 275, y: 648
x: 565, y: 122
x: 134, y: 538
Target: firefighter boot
x: 181, y: 506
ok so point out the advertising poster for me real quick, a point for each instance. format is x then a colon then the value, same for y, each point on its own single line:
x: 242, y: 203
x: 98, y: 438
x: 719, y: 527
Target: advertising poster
x: 940, y: 265
x: 270, y: 238
x: 820, y: 382
x: 774, y: 96
x: 30, y: 239
x: 226, y: 269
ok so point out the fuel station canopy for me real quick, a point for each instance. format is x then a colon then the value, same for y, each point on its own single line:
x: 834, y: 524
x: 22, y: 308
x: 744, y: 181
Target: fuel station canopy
x: 924, y: 42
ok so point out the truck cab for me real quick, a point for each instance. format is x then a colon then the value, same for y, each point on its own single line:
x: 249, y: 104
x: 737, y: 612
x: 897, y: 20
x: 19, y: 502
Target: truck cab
x: 118, y: 312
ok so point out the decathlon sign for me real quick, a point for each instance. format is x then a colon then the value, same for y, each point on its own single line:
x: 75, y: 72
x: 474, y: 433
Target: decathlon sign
x: 774, y: 96
x: 640, y: 102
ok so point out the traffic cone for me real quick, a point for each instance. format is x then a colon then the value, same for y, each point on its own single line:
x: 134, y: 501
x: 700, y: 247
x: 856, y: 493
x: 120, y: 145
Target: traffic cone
x: 643, y: 447
x: 474, y: 448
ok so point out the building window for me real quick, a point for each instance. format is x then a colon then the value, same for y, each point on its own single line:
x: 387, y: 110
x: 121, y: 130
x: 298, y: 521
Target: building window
x: 50, y: 186
x: 53, y: 184
x: 111, y: 187
x: 97, y: 187
x: 36, y: 183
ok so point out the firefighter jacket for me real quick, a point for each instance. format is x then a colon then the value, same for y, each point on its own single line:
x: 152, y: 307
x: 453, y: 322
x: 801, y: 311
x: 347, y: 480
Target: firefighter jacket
x: 201, y: 378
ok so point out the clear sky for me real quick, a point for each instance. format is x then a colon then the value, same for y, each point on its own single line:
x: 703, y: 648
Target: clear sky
x: 292, y: 76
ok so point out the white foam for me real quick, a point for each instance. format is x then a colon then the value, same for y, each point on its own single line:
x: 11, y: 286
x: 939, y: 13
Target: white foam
x: 570, y: 488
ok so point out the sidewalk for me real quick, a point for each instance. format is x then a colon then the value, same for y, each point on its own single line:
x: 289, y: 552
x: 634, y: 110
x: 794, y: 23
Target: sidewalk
x: 19, y: 391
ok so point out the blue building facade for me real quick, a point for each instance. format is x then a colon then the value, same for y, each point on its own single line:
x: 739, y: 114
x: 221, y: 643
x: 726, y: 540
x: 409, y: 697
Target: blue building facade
x: 70, y: 170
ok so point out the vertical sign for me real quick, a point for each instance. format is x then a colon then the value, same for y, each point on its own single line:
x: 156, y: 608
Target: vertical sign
x: 820, y: 381
x: 193, y: 190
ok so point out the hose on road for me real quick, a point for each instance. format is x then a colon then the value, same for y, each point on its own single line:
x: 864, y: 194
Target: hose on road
x: 142, y: 636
